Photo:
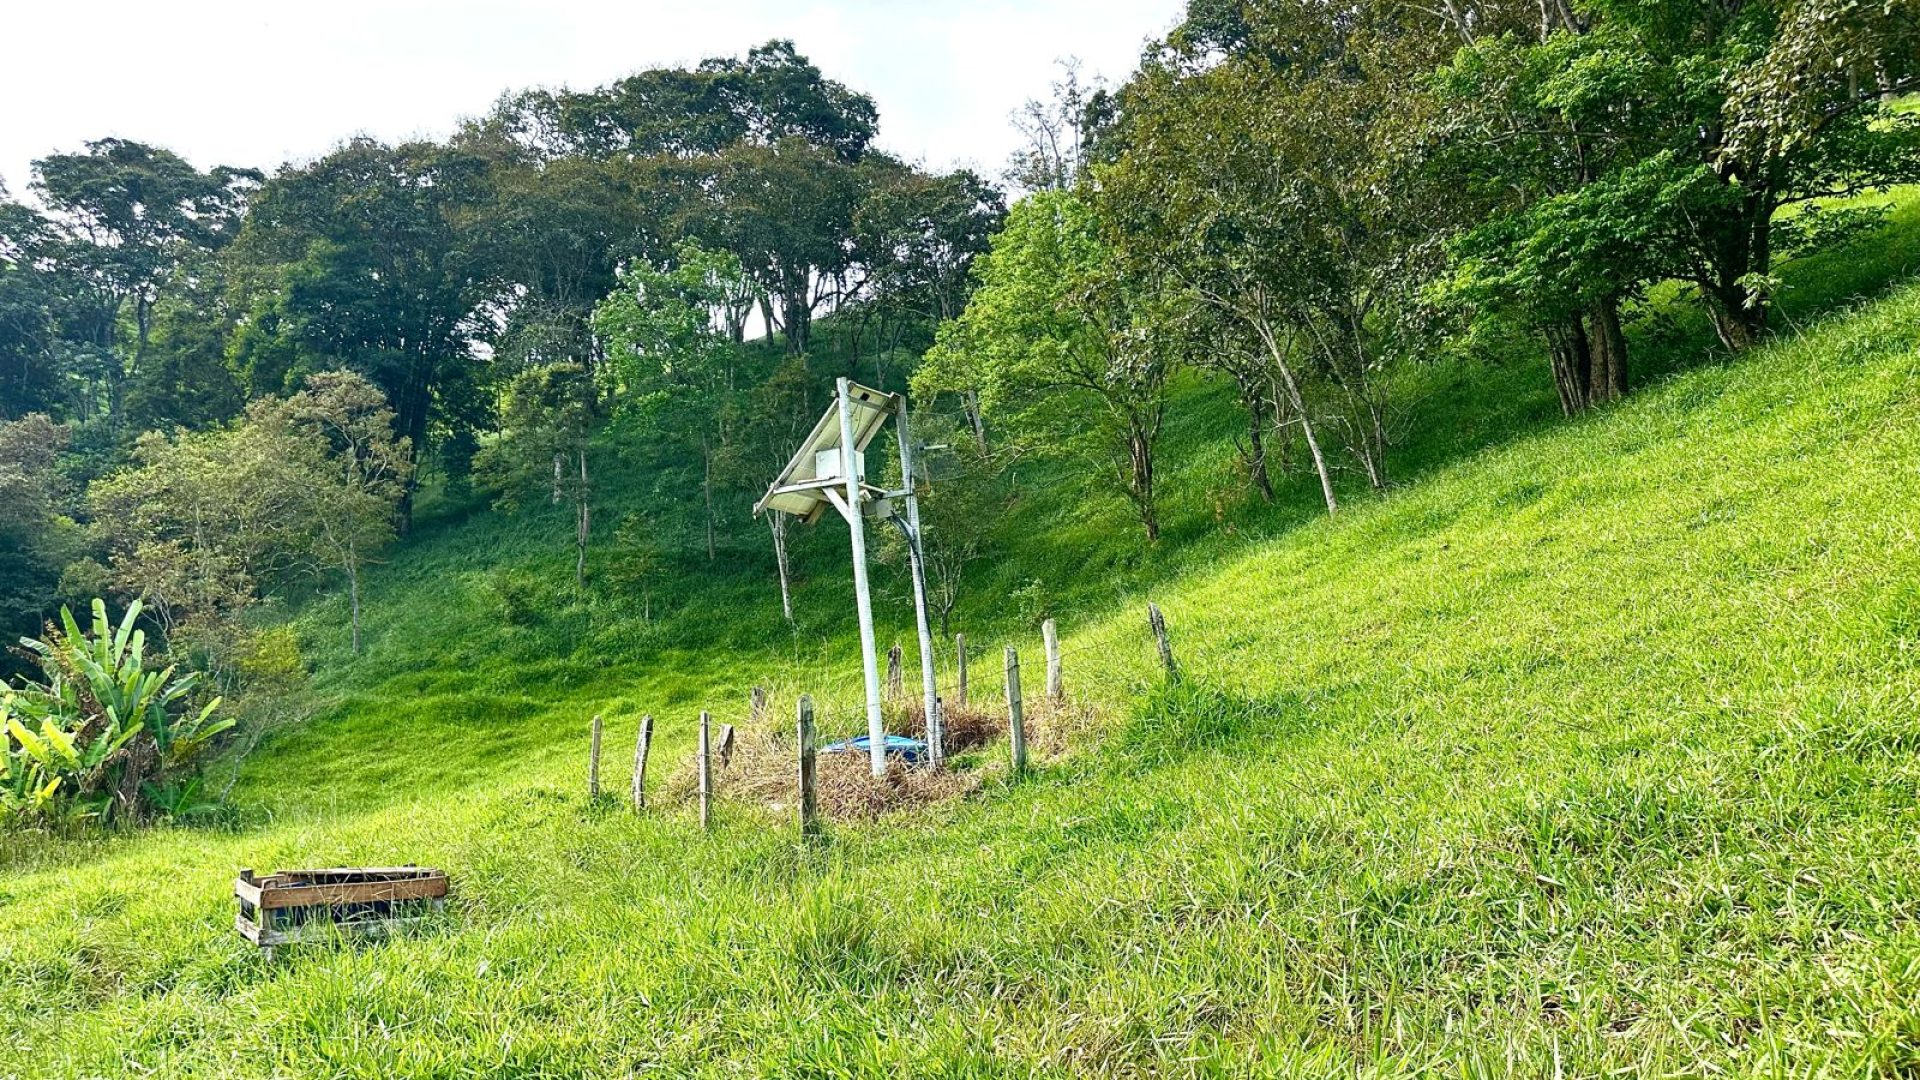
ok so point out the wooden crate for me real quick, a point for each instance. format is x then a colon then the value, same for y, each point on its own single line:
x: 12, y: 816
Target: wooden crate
x: 303, y: 905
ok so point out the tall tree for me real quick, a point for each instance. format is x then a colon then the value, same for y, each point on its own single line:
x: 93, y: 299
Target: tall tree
x: 786, y: 211
x: 126, y: 218
x: 36, y: 537
x: 367, y: 259
x: 915, y: 237
x: 1050, y: 342
x: 1266, y: 185
x: 547, y: 427
x: 1654, y: 140
x: 31, y: 378
x: 673, y: 365
x: 345, y: 469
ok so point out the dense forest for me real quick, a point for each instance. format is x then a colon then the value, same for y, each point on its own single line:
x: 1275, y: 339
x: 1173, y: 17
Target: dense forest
x: 224, y: 388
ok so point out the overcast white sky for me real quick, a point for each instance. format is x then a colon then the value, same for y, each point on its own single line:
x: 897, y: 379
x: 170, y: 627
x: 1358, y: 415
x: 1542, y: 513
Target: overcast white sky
x: 254, y: 82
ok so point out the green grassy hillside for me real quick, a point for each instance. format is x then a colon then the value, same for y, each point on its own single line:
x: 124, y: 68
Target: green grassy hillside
x: 1590, y: 748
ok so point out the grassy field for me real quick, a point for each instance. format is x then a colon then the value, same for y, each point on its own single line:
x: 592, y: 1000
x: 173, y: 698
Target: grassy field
x: 1591, y: 748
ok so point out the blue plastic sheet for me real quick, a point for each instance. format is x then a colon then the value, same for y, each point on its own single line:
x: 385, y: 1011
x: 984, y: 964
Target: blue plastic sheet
x: 911, y: 751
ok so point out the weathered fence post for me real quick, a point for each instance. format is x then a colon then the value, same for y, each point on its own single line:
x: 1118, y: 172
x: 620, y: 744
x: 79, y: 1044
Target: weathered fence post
x: 809, y: 795
x: 593, y: 762
x: 726, y: 745
x: 641, y: 744
x: 960, y: 669
x: 1016, y: 719
x: 756, y: 705
x: 1051, y: 636
x: 893, y: 672
x: 706, y: 769
x: 1158, y: 624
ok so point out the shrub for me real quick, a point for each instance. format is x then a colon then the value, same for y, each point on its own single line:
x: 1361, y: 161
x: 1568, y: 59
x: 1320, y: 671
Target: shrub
x: 522, y: 597
x: 103, y: 736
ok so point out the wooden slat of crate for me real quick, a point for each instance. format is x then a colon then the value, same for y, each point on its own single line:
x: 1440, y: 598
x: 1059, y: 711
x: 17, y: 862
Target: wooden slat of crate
x: 353, y: 872
x: 269, y: 896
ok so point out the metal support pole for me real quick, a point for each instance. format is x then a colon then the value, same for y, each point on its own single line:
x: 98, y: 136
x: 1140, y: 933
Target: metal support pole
x: 936, y: 724
x: 849, y: 464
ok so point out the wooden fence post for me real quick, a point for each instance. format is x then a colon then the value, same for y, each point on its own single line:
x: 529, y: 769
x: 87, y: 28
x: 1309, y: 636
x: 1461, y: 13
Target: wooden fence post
x: 893, y: 672
x: 1016, y: 719
x: 726, y: 745
x: 809, y: 794
x: 1158, y: 624
x: 706, y: 769
x: 756, y: 705
x: 641, y: 744
x: 960, y: 669
x: 1051, y: 635
x: 593, y: 762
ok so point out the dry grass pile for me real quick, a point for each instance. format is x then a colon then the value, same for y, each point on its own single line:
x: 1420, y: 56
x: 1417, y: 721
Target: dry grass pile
x: 968, y: 727
x: 764, y: 768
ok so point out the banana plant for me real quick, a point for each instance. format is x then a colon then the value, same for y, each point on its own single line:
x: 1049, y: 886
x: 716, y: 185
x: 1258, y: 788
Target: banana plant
x: 101, y: 722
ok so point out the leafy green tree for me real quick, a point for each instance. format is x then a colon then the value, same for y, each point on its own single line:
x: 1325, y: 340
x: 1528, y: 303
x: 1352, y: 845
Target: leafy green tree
x: 638, y: 561
x: 126, y: 218
x: 366, y: 259
x: 1050, y: 342
x: 1267, y: 188
x: 553, y: 232
x: 915, y: 237
x: 346, y: 470
x: 187, y: 380
x: 547, y: 428
x: 786, y: 211
x: 201, y: 525
x: 1625, y: 143
x: 771, y: 94
x: 37, y: 538
x: 673, y: 365
x: 31, y: 379
x: 198, y: 524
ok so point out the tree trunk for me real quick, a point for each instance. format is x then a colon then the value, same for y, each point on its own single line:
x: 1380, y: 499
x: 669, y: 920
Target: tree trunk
x: 1255, y: 398
x: 1300, y: 408
x: 799, y: 319
x: 970, y: 404
x: 1742, y: 246
x: 1140, y: 468
x: 585, y: 529
x: 1572, y: 361
x: 777, y: 522
x: 1738, y: 325
x: 353, y: 593
x: 1607, y: 347
x: 706, y: 490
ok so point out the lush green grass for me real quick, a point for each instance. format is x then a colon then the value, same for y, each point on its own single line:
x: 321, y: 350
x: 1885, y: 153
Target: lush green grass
x: 1590, y: 748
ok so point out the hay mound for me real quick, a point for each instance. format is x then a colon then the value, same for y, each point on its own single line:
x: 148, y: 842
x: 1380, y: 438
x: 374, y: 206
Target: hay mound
x: 968, y: 727
x: 764, y: 767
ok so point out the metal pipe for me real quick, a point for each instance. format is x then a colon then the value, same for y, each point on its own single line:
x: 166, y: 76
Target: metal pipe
x: 936, y: 725
x: 876, y: 723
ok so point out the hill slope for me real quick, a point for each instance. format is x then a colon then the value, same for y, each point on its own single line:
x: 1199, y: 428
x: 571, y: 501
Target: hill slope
x: 1593, y: 750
